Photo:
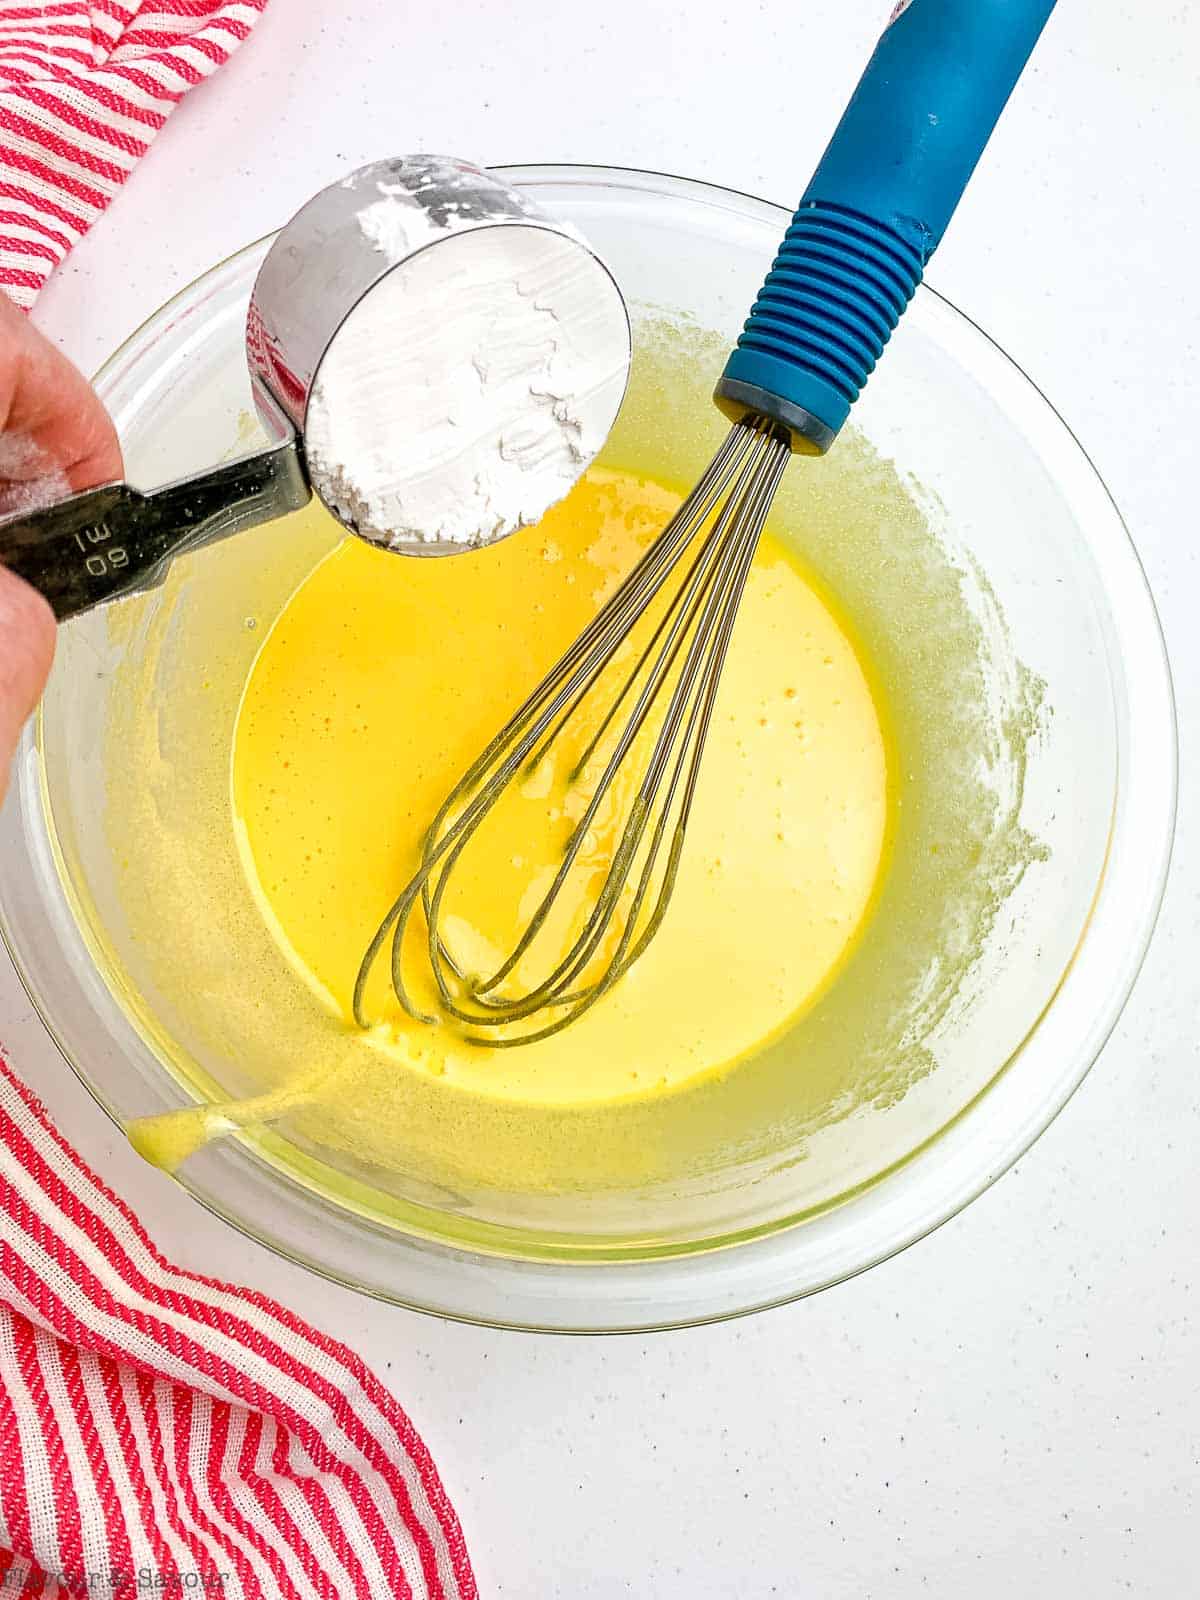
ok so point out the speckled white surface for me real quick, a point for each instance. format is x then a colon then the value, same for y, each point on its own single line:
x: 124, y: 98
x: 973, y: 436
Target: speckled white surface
x: 1013, y: 1406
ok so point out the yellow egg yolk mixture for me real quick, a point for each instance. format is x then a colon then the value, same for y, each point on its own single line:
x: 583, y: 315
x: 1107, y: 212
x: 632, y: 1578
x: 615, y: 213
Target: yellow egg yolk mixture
x: 383, y: 678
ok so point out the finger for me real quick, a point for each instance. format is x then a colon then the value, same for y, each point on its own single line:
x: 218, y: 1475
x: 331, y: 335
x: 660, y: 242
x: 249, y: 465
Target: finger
x: 26, y: 652
x: 51, y: 420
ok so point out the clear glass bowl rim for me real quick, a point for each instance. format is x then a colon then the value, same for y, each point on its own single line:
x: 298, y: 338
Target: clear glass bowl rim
x: 933, y: 1184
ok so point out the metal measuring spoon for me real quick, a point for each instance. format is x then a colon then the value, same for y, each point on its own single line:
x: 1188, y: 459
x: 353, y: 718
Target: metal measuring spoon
x: 116, y: 540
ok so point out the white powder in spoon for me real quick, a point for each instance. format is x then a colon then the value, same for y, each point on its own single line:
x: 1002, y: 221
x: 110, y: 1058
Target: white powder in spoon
x: 466, y: 393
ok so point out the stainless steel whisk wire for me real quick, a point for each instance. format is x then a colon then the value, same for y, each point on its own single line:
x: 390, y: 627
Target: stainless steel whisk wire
x: 849, y: 263
x: 693, y: 632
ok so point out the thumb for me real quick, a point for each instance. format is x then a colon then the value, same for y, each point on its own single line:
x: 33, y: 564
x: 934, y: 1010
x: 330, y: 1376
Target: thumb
x: 26, y: 651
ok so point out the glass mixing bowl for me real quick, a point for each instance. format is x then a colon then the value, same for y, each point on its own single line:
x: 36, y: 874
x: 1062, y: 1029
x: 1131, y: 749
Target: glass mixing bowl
x: 1063, y: 715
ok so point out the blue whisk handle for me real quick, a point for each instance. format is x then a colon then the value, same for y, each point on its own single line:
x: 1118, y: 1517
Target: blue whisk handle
x: 876, y: 210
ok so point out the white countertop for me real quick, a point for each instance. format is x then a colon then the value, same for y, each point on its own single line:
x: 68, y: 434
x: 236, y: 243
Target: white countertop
x: 1013, y: 1405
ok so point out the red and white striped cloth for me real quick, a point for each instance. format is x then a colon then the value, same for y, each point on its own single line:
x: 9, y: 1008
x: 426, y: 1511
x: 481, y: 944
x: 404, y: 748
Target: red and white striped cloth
x: 161, y: 1432
x: 84, y: 87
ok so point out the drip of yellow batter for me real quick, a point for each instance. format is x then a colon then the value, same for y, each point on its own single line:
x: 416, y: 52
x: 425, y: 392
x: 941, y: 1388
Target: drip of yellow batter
x: 383, y: 678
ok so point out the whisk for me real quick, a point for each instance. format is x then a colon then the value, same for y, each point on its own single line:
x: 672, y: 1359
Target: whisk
x: 849, y: 264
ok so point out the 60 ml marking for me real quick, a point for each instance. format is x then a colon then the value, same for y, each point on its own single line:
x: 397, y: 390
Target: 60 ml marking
x: 103, y: 561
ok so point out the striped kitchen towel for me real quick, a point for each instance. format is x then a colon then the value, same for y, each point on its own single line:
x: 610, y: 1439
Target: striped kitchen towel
x: 161, y: 1432
x: 84, y: 87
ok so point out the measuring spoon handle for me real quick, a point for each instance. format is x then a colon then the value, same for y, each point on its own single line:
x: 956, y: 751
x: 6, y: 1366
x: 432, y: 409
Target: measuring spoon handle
x: 115, y: 540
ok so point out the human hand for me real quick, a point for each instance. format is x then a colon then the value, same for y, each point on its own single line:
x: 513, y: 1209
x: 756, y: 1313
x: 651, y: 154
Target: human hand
x: 55, y: 438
